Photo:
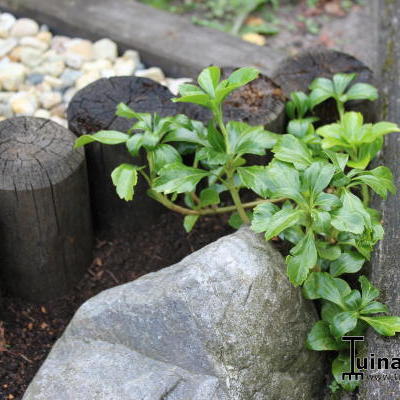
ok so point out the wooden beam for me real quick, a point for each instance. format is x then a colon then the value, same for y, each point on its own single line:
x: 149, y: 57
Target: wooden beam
x: 162, y: 39
x: 385, y: 271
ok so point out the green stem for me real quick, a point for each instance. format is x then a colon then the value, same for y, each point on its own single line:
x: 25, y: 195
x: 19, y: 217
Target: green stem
x: 365, y: 194
x: 340, y: 108
x: 205, y: 211
x: 220, y: 121
x: 235, y: 196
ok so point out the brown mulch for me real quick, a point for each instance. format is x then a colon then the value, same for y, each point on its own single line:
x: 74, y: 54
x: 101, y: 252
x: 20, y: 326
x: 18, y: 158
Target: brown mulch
x: 28, y: 331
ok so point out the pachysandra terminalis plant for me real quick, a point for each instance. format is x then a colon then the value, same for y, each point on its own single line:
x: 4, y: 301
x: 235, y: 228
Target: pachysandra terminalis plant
x: 314, y: 193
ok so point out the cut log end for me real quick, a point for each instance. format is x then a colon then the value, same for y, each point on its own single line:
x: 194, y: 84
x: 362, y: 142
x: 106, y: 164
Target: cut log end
x: 297, y: 73
x: 45, y: 223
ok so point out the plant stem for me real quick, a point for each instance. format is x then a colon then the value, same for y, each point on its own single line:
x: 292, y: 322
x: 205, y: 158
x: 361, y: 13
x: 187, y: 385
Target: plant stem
x: 206, y: 211
x: 340, y: 108
x: 365, y: 194
x: 218, y: 115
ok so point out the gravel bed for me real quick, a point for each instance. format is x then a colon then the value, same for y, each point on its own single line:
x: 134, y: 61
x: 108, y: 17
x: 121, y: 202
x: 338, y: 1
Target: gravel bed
x: 41, y: 72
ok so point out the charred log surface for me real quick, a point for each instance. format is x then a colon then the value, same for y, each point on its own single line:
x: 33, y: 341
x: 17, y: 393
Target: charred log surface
x: 45, y: 224
x: 296, y: 74
x: 93, y: 109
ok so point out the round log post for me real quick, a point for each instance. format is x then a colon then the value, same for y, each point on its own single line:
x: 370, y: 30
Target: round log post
x: 93, y: 109
x: 45, y: 224
x: 296, y: 74
x: 260, y: 102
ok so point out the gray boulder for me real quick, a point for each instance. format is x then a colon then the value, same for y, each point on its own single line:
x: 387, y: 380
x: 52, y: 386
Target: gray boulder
x: 222, y: 324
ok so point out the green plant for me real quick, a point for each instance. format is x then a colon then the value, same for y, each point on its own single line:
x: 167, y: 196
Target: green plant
x: 307, y: 195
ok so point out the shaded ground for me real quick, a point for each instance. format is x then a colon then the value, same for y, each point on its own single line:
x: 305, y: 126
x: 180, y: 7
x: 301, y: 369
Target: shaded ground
x: 30, y: 330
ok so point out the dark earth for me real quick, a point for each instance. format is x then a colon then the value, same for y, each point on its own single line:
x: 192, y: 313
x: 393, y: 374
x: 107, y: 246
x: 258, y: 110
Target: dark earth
x: 30, y: 330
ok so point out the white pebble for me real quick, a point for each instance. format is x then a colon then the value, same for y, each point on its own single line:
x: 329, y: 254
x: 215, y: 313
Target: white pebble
x: 73, y: 60
x: 105, y: 49
x: 6, y: 110
x: 69, y: 94
x: 53, y: 68
x: 61, y: 121
x: 69, y: 77
x: 59, y: 44
x: 24, y: 103
x: 53, y: 81
x: 124, y: 67
x: 108, y: 73
x: 7, y: 45
x: 34, y: 42
x: 153, y: 73
x: 31, y: 57
x: 41, y: 113
x: 96, y: 65
x: 12, y: 75
x: 45, y: 37
x: 50, y: 99
x: 24, y: 27
x: 7, y: 21
x: 173, y: 84
x: 87, y: 79
x: 81, y: 47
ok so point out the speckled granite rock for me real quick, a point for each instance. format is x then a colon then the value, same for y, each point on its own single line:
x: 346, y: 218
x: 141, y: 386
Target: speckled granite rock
x: 224, y: 323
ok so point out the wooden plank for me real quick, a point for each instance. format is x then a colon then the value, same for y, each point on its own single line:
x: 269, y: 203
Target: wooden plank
x: 162, y: 39
x: 385, y: 271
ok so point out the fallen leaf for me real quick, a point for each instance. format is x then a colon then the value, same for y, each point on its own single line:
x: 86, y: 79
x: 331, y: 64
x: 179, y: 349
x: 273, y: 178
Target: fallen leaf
x: 254, y: 21
x: 254, y: 38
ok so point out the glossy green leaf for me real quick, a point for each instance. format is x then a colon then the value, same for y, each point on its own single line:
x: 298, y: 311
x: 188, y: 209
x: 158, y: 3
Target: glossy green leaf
x: 384, y: 325
x: 134, y: 144
x: 328, y: 251
x: 261, y: 216
x: 125, y: 179
x: 209, y: 197
x: 209, y: 79
x: 347, y: 263
x: 341, y: 82
x: 302, y: 259
x: 279, y: 221
x: 341, y: 365
x: 165, y: 154
x: 317, y: 177
x: 343, y: 323
x: 368, y: 291
x: 292, y: 150
x: 254, y: 178
x: 327, y: 201
x: 362, y: 91
x: 374, y: 308
x: 189, y: 221
x: 320, y: 338
x: 178, y: 178
x: 105, y: 137
x: 321, y: 90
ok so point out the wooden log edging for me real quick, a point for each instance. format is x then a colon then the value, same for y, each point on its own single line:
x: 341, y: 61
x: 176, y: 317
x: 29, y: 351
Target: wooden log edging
x: 168, y: 41
x: 92, y: 109
x: 385, y: 271
x: 45, y: 225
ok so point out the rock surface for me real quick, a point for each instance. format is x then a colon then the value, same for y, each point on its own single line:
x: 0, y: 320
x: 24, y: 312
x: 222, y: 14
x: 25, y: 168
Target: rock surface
x: 224, y: 323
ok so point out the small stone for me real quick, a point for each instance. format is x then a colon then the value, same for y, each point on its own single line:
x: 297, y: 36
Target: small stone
x: 61, y: 121
x: 7, y: 45
x: 25, y: 27
x: 255, y: 38
x: 41, y: 113
x: 15, y: 54
x: 124, y: 67
x: 50, y: 99
x: 45, y: 37
x: 173, y: 84
x: 73, y: 60
x: 12, y: 75
x: 35, y: 79
x: 52, y: 55
x: 153, y: 73
x: 53, y: 82
x: 58, y: 110
x: 44, y: 87
x: 24, y: 103
x: 87, y: 79
x: 108, y: 73
x: 34, y: 43
x: 69, y: 94
x: 69, y: 77
x: 5, y: 97
x: 31, y: 57
x: 81, y: 47
x: 7, y: 21
x: 132, y: 55
x: 98, y: 65
x: 6, y: 110
x: 53, y: 68
x: 105, y: 49
x: 59, y: 44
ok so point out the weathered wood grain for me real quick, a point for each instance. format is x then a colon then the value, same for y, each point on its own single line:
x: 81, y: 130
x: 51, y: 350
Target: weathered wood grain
x: 385, y: 271
x: 45, y: 224
x: 163, y: 39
